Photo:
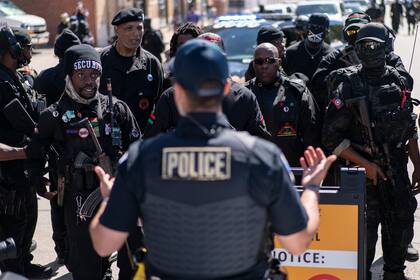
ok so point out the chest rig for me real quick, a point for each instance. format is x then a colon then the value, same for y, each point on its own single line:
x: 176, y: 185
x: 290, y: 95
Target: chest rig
x: 390, y: 108
x: 79, y: 130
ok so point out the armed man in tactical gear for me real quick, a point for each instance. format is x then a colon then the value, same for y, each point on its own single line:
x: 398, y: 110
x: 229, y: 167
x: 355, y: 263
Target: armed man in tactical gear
x: 202, y: 180
x: 18, y: 202
x: 347, y: 57
x: 86, y: 128
x: 370, y: 122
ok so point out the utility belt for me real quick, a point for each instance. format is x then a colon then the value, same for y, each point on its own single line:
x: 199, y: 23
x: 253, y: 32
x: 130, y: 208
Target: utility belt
x: 261, y: 271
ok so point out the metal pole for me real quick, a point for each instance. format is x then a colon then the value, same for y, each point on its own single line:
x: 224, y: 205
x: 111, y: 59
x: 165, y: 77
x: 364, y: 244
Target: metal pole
x: 414, y: 47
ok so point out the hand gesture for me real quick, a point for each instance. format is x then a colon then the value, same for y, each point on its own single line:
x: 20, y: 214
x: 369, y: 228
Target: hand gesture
x: 315, y: 166
x: 415, y: 182
x: 373, y: 171
x: 106, y: 181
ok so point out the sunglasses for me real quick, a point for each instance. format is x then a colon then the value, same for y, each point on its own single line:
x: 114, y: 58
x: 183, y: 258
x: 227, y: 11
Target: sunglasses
x: 352, y: 32
x: 267, y: 60
x: 370, y: 45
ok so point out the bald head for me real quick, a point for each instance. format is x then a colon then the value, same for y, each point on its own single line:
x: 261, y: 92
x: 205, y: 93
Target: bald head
x: 266, y: 48
x: 266, y: 63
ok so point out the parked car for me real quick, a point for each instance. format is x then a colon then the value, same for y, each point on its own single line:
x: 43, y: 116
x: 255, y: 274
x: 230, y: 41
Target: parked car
x: 334, y: 9
x: 15, y: 17
x: 239, y: 33
x: 364, y: 4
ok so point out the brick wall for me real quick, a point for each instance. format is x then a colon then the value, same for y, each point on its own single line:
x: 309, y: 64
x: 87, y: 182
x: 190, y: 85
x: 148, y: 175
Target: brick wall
x: 51, y: 10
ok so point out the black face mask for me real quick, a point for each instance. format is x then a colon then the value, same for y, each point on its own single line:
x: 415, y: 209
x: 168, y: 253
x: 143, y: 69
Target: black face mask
x: 371, y: 54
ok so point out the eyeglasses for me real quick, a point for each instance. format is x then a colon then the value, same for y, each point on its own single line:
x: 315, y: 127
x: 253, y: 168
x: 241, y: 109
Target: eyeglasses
x: 267, y: 60
x: 370, y: 45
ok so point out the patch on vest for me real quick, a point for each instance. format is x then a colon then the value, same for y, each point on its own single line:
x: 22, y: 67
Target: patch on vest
x: 196, y: 163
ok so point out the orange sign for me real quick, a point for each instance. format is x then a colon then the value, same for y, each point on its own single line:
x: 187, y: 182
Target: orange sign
x: 333, y: 254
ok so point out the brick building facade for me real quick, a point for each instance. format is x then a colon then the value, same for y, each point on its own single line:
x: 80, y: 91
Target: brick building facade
x: 164, y: 13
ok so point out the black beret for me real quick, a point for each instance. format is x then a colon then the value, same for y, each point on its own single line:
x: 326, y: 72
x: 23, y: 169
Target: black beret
x: 64, y: 41
x: 22, y: 36
x: 81, y: 57
x: 269, y: 33
x: 127, y: 15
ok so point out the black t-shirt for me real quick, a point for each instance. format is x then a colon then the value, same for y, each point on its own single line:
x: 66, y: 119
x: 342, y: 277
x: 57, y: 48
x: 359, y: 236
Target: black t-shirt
x: 299, y: 60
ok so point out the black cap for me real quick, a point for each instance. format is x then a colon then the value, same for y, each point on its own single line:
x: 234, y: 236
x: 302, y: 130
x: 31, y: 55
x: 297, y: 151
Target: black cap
x: 127, y: 15
x: 372, y: 31
x: 81, y: 57
x: 269, y: 33
x: 22, y: 36
x: 319, y: 20
x: 64, y: 41
x: 198, y: 62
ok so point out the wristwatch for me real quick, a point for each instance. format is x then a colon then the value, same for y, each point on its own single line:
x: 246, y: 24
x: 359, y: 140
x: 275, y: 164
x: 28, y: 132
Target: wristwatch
x: 313, y: 187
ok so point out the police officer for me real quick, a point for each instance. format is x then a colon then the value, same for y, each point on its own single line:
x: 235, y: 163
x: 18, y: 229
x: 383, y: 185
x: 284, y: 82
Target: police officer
x: 136, y: 74
x: 51, y: 81
x: 152, y: 39
x: 376, y: 91
x: 18, y: 210
x: 287, y: 105
x: 203, y: 178
x: 337, y: 59
x: 72, y: 124
x: 274, y: 36
x: 240, y: 107
x: 305, y: 56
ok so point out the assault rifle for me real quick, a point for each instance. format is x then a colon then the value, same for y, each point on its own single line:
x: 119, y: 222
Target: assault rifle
x: 381, y: 157
x: 93, y: 200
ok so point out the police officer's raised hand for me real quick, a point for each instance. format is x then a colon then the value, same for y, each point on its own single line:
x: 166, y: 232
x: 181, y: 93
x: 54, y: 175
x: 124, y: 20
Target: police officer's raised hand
x: 373, y: 171
x: 106, y: 181
x: 315, y: 166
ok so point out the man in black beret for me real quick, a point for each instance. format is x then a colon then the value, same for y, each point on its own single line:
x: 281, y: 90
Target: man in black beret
x: 272, y: 35
x: 137, y: 78
x: 135, y: 73
x: 71, y: 125
x: 304, y: 57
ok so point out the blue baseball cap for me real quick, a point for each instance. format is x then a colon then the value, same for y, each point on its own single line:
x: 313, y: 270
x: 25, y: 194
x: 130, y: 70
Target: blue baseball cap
x: 198, y: 62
